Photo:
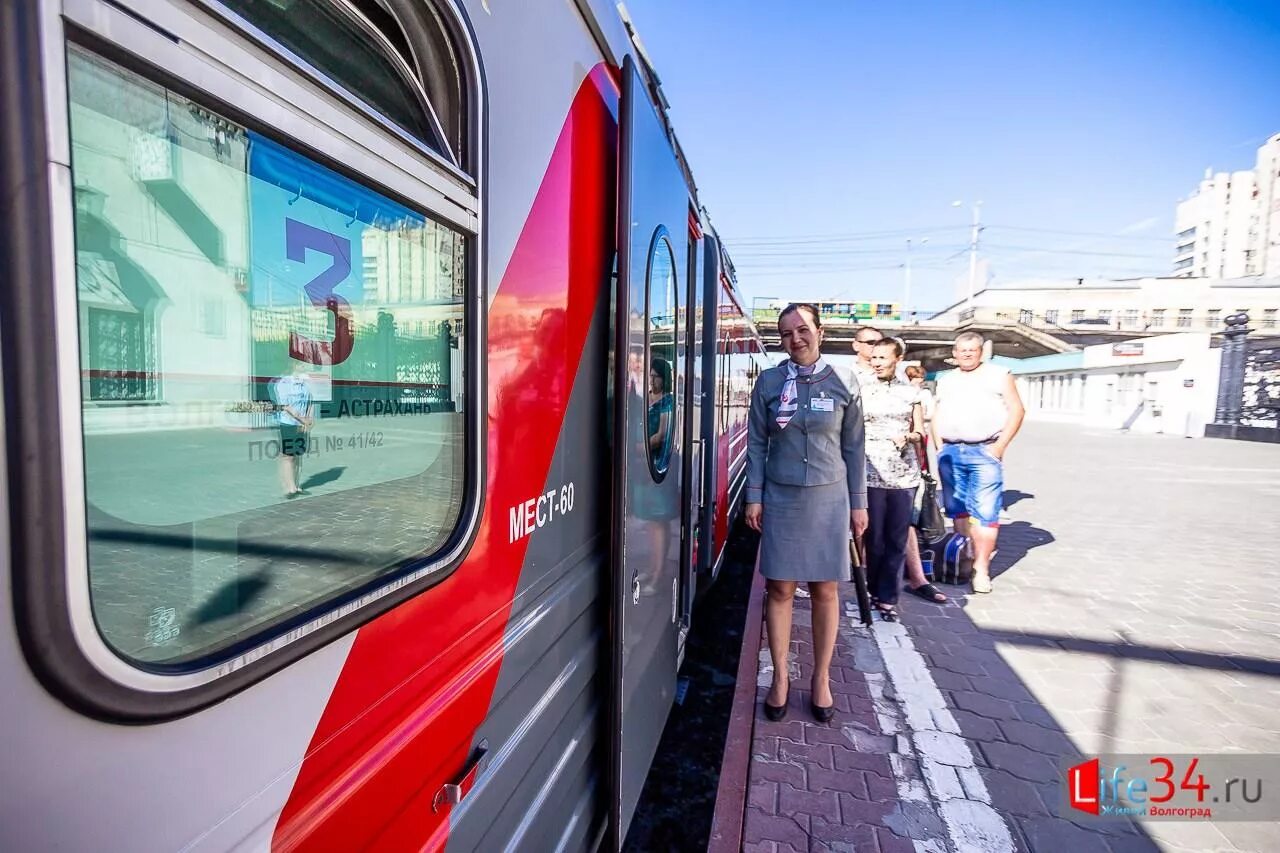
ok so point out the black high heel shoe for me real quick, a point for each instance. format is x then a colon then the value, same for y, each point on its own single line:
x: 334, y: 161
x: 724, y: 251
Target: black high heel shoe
x: 775, y: 713
x: 820, y: 713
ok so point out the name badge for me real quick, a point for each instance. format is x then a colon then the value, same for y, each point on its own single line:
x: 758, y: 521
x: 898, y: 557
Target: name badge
x: 822, y: 404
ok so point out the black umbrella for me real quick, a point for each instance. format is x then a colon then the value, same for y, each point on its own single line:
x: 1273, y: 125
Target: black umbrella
x: 859, y: 571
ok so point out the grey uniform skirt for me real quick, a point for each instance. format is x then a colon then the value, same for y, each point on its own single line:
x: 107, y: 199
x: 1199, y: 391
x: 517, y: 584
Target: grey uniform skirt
x: 806, y: 532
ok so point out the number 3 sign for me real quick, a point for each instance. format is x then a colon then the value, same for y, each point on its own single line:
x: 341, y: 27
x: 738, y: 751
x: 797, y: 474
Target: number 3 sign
x: 299, y: 237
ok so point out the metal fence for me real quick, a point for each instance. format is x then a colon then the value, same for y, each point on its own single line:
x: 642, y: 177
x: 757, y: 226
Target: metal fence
x: 1248, y: 405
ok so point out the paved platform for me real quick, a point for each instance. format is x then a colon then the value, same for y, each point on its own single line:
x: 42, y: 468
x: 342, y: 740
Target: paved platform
x: 1134, y: 611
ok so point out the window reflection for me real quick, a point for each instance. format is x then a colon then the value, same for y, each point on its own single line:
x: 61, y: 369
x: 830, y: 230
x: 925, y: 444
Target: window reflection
x: 271, y: 373
x: 661, y: 331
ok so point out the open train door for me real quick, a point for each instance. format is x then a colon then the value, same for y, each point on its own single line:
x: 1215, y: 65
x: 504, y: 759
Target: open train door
x: 649, y: 378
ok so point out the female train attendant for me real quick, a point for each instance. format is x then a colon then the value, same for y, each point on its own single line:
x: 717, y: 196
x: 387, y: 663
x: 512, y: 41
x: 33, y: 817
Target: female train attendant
x: 806, y: 488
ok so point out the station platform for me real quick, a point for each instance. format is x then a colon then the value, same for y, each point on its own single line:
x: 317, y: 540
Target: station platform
x: 954, y: 726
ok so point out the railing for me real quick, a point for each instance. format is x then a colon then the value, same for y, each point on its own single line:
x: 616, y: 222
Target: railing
x: 1144, y: 322
x: 1248, y: 403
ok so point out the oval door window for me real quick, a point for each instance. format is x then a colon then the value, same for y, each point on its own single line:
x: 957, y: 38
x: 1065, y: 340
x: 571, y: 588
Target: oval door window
x: 660, y: 333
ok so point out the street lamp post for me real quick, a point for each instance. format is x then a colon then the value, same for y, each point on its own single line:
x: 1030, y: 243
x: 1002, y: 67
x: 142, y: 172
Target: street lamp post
x: 906, y: 283
x: 973, y: 249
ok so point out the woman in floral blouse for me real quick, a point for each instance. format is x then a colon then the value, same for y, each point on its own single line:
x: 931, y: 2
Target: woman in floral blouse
x: 894, y: 431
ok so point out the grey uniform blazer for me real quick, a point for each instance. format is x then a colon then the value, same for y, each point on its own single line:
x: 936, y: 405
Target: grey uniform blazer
x: 817, y: 447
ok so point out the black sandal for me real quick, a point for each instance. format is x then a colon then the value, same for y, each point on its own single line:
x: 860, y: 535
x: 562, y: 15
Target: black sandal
x: 930, y: 593
x: 888, y: 613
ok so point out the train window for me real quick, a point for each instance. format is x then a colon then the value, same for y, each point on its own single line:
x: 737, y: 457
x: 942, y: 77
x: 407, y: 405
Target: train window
x: 360, y: 46
x: 660, y: 334
x: 272, y: 375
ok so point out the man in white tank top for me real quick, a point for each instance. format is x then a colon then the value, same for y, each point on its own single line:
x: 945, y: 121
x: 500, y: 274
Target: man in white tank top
x: 977, y: 412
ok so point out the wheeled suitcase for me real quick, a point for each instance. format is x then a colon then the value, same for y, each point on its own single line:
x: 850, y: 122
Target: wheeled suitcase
x: 951, y: 559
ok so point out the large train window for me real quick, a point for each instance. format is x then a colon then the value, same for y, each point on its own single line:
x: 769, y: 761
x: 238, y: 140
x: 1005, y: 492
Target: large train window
x: 660, y: 340
x: 362, y: 47
x: 272, y: 376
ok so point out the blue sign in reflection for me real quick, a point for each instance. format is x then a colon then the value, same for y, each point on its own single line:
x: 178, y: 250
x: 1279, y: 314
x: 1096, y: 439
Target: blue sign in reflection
x: 306, y: 228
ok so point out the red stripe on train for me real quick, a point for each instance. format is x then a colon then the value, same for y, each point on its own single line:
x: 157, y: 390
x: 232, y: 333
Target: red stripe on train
x: 419, y: 680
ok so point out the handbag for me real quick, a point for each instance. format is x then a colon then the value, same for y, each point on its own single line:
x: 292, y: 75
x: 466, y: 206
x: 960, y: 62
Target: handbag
x: 930, y: 525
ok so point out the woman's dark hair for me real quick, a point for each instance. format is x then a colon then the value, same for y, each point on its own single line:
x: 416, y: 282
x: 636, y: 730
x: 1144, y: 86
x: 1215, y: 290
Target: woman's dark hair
x: 915, y: 371
x: 663, y: 368
x: 807, y: 306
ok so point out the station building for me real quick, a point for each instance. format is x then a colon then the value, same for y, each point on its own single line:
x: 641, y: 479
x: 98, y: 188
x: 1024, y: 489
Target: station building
x: 1159, y: 384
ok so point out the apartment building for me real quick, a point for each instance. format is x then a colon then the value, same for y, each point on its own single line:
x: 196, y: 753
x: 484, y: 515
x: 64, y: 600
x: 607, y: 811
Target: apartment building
x: 1229, y: 227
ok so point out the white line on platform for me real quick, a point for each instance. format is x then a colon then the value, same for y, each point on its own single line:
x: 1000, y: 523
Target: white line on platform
x: 932, y: 735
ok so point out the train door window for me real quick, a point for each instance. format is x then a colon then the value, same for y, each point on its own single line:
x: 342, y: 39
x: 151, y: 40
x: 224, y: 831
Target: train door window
x: 660, y: 342
x: 248, y: 473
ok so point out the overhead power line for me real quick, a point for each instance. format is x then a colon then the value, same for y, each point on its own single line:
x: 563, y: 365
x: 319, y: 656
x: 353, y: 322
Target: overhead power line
x: 847, y: 236
x: 900, y: 234
x: 1089, y: 252
x: 808, y: 253
x: 1101, y: 234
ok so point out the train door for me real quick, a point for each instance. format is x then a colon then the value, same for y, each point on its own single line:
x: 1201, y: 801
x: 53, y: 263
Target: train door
x: 708, y: 286
x: 691, y: 539
x: 648, y: 464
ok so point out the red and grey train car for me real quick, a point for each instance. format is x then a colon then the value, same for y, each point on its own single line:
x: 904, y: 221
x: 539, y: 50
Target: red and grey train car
x: 374, y: 407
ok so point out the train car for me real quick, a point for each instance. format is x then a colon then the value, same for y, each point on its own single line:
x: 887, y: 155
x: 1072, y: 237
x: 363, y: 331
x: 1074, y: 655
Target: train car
x: 766, y: 310
x: 374, y: 406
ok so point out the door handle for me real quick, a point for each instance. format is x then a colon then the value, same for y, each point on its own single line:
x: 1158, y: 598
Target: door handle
x: 699, y: 473
x: 451, y: 793
x: 635, y: 586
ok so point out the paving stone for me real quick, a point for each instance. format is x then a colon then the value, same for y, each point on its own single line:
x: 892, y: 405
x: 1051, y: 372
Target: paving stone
x: 853, y: 810
x: 892, y: 843
x: 792, y: 730
x: 945, y: 721
x: 853, y: 782
x: 777, y: 771
x: 1033, y: 713
x: 805, y: 754
x: 958, y: 665
x: 947, y: 680
x: 1007, y: 687
x: 873, y: 743
x: 975, y: 788
x: 764, y: 748
x: 983, y: 705
x: 1252, y: 836
x: 861, y: 836
x: 764, y: 796
x: 880, y: 788
x: 944, y: 748
x: 1012, y: 795
x: 976, y: 827
x: 1020, y: 761
x: 759, y: 847
x: 1051, y: 835
x: 760, y: 827
x: 976, y: 727
x: 1143, y: 844
x: 917, y: 820
x: 828, y: 735
x: 878, y: 763
x: 851, y: 688
x: 798, y: 802
x: 944, y: 783
x: 1039, y: 738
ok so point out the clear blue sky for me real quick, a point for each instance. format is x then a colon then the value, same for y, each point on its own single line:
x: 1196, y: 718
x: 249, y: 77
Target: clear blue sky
x: 815, y: 127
